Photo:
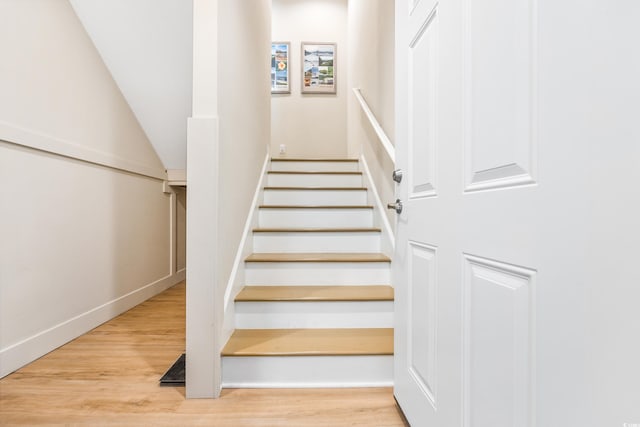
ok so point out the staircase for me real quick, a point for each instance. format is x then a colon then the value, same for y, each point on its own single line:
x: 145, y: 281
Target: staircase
x: 317, y: 308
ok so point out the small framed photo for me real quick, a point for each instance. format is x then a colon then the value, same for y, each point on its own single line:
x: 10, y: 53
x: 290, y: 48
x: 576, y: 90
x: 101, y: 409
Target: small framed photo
x: 319, y: 67
x: 280, y: 82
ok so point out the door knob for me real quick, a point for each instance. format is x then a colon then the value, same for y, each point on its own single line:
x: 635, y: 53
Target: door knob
x: 397, y: 175
x: 397, y: 206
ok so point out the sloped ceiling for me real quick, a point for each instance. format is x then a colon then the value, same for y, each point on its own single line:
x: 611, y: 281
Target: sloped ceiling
x: 147, y: 47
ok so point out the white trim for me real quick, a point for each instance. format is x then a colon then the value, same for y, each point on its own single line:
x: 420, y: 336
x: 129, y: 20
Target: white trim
x: 382, y: 136
x: 177, y: 177
x: 16, y: 135
x: 204, y: 309
x: 388, y: 242
x: 337, y: 384
x: 236, y: 278
x: 26, y: 351
x: 173, y: 232
x: 296, y: 371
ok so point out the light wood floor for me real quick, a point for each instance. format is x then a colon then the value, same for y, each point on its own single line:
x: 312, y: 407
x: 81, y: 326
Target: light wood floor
x: 110, y: 377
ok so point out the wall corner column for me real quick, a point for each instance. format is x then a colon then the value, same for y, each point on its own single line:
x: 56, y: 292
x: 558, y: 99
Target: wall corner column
x: 204, y: 311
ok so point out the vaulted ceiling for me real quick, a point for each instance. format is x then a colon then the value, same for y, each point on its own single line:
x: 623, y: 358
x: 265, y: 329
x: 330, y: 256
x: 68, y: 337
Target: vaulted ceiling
x: 147, y: 47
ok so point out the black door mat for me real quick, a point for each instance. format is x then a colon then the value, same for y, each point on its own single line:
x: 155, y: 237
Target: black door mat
x: 175, y: 375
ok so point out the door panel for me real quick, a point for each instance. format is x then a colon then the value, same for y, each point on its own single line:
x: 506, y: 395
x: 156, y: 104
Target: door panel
x: 419, y: 355
x: 500, y: 93
x: 422, y: 319
x: 515, y: 269
x: 499, y: 344
x: 423, y: 77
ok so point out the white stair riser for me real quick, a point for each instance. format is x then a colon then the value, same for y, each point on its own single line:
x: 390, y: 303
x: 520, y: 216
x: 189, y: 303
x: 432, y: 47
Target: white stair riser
x: 316, y: 242
x: 313, y: 180
x: 307, y: 371
x: 317, y: 273
x: 268, y: 218
x: 315, y: 197
x: 315, y: 166
x: 317, y: 314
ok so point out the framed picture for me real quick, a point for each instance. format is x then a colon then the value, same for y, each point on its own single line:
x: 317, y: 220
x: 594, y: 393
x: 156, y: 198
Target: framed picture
x: 280, y: 82
x: 318, y: 67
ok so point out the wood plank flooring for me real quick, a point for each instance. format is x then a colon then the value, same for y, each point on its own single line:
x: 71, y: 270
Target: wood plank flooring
x: 110, y: 375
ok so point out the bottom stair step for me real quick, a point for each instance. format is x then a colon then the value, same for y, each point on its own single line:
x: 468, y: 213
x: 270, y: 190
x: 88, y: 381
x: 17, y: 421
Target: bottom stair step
x: 307, y: 371
x: 280, y: 358
x: 310, y: 342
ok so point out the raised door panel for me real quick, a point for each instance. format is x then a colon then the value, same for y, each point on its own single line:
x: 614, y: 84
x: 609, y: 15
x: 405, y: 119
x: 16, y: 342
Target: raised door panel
x: 421, y: 343
x: 423, y: 79
x: 499, y: 344
x: 500, y: 93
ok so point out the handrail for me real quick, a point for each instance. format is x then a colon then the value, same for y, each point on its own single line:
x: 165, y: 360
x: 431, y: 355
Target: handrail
x: 384, y: 139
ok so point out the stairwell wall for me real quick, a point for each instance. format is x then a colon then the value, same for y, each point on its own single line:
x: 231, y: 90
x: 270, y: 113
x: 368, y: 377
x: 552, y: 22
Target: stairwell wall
x: 86, y: 230
x: 244, y: 105
x: 371, y: 69
x: 228, y: 139
x: 310, y: 125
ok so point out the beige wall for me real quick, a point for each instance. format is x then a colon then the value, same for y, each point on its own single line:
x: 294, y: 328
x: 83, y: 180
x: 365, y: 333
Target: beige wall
x: 371, y: 69
x: 244, y: 116
x: 85, y: 228
x: 310, y: 125
x: 228, y: 140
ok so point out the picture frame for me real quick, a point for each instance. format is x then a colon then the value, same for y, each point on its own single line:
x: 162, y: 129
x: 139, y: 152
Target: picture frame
x: 319, y: 67
x: 280, y: 57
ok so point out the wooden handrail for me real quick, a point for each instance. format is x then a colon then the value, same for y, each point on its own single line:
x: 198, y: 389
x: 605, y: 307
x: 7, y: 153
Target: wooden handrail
x: 382, y: 136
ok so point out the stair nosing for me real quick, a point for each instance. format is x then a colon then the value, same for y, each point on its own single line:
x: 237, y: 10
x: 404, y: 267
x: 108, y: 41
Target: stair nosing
x: 271, y: 188
x: 316, y: 230
x: 322, y: 257
x: 315, y: 206
x: 271, y: 335
x: 320, y: 159
x: 317, y: 293
x: 315, y: 172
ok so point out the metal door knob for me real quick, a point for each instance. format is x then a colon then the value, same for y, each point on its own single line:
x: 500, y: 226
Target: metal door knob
x: 397, y: 175
x: 397, y: 206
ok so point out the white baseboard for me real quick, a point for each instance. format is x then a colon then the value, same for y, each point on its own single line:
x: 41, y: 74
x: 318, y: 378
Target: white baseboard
x: 307, y: 371
x: 237, y: 276
x: 26, y: 351
x: 336, y: 384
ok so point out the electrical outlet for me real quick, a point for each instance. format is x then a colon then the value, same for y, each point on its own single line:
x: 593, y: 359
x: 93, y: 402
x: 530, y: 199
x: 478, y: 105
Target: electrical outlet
x: 283, y: 148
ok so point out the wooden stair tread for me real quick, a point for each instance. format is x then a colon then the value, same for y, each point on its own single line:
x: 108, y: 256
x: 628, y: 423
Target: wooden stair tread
x: 317, y: 230
x: 316, y: 293
x: 309, y: 159
x: 310, y: 342
x: 318, y: 257
x: 315, y: 207
x: 318, y: 188
x: 315, y: 172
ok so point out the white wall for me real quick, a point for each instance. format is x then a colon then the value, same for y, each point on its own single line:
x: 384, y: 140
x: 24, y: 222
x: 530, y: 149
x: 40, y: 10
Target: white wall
x: 85, y: 228
x: 227, y: 144
x: 371, y: 69
x: 146, y: 45
x: 244, y: 103
x: 311, y: 125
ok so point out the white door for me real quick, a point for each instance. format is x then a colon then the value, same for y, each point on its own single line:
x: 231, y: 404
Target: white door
x: 517, y: 286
